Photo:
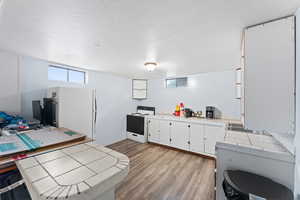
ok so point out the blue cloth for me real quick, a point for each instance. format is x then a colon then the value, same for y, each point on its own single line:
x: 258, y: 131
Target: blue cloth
x: 6, y: 119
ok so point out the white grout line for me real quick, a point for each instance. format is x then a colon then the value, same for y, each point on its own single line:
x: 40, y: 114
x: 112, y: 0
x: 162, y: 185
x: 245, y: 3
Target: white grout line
x: 67, y: 194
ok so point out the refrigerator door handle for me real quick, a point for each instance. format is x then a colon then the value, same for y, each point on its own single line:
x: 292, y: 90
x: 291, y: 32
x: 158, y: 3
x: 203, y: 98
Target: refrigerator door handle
x: 96, y: 110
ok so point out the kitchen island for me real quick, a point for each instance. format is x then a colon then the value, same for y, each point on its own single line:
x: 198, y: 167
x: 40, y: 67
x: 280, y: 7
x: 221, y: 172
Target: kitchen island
x: 86, y: 171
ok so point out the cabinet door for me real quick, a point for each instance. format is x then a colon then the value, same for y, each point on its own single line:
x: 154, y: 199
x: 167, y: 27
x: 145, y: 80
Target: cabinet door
x: 180, y: 135
x: 197, y: 138
x: 212, y: 135
x: 153, y: 130
x: 164, y: 127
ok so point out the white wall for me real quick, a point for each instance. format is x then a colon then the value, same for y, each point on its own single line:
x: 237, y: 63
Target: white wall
x: 9, y: 83
x: 114, y: 94
x: 113, y: 97
x: 207, y: 89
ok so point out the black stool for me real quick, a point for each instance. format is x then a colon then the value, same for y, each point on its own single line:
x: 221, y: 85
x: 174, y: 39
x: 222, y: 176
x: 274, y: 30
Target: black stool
x: 240, y: 185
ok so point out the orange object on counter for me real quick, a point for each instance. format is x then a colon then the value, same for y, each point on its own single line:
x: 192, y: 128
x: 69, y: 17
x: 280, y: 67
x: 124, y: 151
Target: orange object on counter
x: 181, y: 114
x: 177, y: 111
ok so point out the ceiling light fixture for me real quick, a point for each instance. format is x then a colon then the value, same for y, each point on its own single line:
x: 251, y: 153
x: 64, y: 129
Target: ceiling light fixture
x: 150, y: 66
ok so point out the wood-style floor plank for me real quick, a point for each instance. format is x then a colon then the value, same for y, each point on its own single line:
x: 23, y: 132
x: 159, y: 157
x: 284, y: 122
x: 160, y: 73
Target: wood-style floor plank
x: 160, y: 173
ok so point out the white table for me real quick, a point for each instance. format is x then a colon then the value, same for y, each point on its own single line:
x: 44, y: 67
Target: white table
x: 86, y: 171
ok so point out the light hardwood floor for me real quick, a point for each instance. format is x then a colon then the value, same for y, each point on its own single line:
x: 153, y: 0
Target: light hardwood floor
x: 160, y: 173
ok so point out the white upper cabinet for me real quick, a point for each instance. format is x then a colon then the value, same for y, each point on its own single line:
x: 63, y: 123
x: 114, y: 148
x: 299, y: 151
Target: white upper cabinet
x: 180, y: 135
x: 197, y: 138
x: 139, y: 89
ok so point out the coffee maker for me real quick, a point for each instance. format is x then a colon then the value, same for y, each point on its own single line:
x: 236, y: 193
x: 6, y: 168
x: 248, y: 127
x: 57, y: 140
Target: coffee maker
x: 210, y: 112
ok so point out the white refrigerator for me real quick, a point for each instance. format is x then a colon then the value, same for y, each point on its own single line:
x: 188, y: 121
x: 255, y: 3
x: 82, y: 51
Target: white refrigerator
x: 76, y: 109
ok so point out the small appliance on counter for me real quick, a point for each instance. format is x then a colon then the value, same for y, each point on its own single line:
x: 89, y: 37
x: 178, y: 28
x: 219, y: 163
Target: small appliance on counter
x: 181, y: 111
x: 198, y: 114
x: 188, y: 112
x: 136, y: 124
x: 210, y: 112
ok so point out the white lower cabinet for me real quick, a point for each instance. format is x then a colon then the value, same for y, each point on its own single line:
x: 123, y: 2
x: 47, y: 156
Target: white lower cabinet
x: 212, y: 135
x: 153, y: 130
x: 165, y: 128
x: 194, y: 137
x: 180, y: 135
x: 197, y: 138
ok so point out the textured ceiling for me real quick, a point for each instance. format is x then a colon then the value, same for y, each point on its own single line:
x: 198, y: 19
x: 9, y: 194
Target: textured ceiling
x: 183, y: 36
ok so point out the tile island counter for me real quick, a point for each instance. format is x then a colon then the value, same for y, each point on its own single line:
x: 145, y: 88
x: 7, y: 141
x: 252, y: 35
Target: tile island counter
x: 85, y: 171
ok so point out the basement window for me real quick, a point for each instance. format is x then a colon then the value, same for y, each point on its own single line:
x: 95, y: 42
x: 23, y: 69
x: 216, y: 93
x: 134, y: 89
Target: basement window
x: 58, y: 73
x: 176, y: 82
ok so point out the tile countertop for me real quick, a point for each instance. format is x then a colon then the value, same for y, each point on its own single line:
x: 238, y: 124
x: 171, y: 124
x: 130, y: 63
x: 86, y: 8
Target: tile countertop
x: 193, y: 119
x: 74, y: 171
x: 263, y: 145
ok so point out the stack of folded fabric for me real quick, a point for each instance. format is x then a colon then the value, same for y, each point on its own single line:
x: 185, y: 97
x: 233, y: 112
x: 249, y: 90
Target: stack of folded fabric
x: 11, y: 121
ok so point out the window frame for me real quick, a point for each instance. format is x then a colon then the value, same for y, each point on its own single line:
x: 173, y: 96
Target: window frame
x: 68, y: 69
x: 135, y: 89
x: 176, y: 80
